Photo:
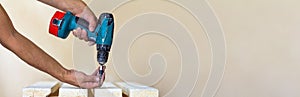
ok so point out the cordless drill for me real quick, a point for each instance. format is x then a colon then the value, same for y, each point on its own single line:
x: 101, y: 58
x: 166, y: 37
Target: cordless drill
x: 63, y: 22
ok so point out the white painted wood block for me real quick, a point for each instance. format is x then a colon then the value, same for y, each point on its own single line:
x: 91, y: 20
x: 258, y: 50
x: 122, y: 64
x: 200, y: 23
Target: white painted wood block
x: 67, y: 90
x: 41, y: 89
x: 137, y: 90
x: 108, y: 89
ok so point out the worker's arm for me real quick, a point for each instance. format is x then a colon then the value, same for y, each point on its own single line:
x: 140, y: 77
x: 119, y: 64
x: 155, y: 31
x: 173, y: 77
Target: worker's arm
x: 11, y: 39
x: 78, y: 8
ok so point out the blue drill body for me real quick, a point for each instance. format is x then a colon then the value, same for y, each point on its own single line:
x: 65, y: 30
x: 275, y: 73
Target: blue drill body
x: 102, y: 34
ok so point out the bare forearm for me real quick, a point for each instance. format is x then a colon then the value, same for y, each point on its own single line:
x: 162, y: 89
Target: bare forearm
x: 27, y: 50
x: 75, y: 6
x: 11, y: 39
x: 34, y: 56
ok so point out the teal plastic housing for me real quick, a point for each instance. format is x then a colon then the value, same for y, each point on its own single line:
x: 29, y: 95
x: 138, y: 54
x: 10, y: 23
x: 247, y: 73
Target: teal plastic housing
x: 102, y: 34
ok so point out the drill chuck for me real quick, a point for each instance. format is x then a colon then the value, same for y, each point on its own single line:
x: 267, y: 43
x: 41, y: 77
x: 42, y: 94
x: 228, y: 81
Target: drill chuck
x: 102, y: 54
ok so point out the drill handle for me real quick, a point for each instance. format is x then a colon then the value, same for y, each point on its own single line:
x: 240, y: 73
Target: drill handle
x: 82, y: 23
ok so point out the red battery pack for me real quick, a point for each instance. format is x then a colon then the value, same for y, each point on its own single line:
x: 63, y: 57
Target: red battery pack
x: 55, y: 22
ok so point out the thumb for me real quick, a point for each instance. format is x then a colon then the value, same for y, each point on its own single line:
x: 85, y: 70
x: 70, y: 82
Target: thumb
x: 91, y: 28
x: 96, y: 72
x: 88, y: 15
x: 92, y: 22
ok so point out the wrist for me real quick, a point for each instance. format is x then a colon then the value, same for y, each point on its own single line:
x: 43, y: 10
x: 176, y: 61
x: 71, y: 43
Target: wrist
x: 67, y: 76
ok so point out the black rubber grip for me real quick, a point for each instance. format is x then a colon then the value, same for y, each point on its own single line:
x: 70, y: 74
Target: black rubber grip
x: 82, y: 22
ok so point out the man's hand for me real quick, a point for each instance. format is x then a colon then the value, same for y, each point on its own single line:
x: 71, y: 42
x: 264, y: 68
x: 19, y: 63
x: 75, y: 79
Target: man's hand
x: 80, y: 9
x: 82, y: 80
x: 89, y: 16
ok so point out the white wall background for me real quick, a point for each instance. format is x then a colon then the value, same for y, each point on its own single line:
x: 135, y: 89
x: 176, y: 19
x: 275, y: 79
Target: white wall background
x: 262, y: 38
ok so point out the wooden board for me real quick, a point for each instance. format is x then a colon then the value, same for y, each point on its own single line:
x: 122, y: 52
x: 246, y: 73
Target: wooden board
x: 67, y: 90
x: 41, y: 89
x: 137, y: 90
x: 108, y: 89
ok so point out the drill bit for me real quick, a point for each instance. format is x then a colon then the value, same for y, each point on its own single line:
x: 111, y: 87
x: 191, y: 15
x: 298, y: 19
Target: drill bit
x: 101, y: 72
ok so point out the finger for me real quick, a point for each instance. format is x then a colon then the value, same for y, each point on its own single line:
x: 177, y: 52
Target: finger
x: 77, y: 32
x: 90, y: 85
x: 92, y: 21
x: 80, y: 32
x: 74, y: 33
x: 96, y: 72
x: 91, y: 43
x: 84, y: 36
x: 103, y: 78
x: 92, y: 25
x: 88, y: 15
